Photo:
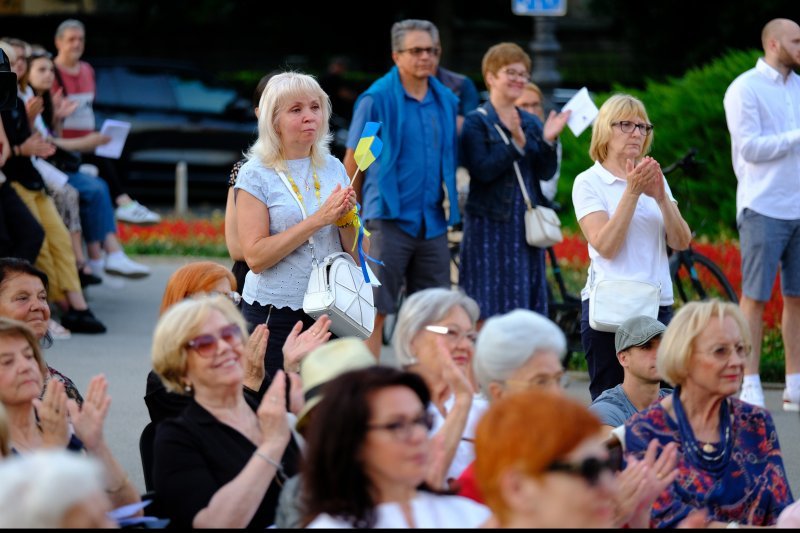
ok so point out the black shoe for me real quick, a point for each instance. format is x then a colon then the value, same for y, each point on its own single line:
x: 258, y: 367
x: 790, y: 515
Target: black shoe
x: 89, y: 279
x: 82, y: 322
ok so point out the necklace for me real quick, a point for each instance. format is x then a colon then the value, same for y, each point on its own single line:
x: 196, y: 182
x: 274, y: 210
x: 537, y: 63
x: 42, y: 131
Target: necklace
x: 708, y: 456
x: 296, y: 189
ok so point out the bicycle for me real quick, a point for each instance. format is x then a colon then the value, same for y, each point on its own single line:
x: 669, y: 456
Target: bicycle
x: 694, y: 275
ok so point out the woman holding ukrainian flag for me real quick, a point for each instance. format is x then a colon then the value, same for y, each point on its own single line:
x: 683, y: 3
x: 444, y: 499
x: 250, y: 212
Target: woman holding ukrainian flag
x: 290, y: 162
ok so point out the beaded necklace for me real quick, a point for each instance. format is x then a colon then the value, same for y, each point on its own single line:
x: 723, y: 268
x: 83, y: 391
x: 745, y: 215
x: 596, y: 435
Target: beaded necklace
x: 296, y: 189
x: 708, y: 456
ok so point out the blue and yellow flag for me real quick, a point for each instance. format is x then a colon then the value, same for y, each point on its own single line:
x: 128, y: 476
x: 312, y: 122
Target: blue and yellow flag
x: 369, y: 146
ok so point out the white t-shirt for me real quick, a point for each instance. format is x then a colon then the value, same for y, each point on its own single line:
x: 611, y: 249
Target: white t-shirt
x: 465, y: 452
x: 429, y: 511
x: 285, y: 283
x: 643, y: 254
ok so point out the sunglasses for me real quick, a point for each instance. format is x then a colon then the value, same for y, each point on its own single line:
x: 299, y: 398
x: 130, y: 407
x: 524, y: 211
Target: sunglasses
x: 590, y: 469
x: 207, y: 345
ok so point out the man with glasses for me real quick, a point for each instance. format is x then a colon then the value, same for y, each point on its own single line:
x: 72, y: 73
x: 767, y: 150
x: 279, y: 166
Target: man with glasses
x: 762, y: 108
x: 402, y: 193
x: 636, y: 341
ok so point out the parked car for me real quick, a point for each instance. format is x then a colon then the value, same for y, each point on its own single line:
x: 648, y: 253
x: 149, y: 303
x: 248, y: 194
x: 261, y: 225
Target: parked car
x: 177, y: 113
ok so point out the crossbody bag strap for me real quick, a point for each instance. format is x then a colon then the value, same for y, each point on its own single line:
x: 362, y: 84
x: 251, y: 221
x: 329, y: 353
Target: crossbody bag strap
x: 503, y: 136
x: 285, y: 181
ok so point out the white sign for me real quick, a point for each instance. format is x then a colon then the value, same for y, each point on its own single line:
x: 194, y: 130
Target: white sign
x: 583, y: 111
x: 118, y: 131
x: 539, y: 8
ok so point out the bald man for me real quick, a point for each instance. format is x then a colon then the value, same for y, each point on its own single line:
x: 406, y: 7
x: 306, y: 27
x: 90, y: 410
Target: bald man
x: 762, y: 107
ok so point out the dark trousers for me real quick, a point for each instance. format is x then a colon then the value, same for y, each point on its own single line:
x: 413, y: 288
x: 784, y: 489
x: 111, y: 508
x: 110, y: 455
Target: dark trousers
x: 21, y: 235
x: 280, y: 324
x: 605, y: 372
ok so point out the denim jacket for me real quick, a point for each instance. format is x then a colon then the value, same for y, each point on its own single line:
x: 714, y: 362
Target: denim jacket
x: 489, y: 161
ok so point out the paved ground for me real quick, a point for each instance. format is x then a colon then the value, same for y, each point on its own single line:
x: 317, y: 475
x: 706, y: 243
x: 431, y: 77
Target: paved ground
x: 123, y: 355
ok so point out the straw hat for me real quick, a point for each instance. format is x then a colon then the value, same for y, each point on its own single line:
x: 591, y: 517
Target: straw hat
x: 327, y: 362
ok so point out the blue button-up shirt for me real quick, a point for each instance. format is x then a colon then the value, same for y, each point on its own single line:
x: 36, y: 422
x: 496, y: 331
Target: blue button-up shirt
x: 419, y: 166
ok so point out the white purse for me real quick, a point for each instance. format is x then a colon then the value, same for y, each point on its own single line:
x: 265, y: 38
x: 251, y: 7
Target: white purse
x: 337, y: 288
x: 612, y: 302
x: 542, y: 225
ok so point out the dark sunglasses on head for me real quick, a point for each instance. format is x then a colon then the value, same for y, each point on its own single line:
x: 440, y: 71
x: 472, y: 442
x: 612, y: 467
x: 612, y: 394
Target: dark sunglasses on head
x: 589, y: 469
x: 206, y: 345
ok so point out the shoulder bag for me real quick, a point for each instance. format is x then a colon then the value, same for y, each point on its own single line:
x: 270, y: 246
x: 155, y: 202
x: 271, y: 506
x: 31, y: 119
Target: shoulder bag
x: 542, y: 225
x: 612, y: 302
x: 337, y: 288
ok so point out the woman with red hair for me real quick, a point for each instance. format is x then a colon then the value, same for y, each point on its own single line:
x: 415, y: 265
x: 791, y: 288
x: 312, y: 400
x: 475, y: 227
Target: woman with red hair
x: 542, y: 462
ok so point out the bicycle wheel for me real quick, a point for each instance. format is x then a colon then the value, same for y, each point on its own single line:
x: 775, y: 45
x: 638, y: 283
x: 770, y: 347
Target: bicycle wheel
x: 696, y: 277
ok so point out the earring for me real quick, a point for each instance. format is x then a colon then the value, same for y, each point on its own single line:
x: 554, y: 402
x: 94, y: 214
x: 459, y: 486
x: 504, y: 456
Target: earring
x: 187, y: 388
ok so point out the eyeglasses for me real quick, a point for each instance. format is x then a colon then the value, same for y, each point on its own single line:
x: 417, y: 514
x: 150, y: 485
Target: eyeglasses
x: 518, y: 74
x: 626, y: 126
x: 401, y: 430
x: 454, y: 335
x: 206, y: 345
x: 590, y: 469
x: 233, y: 296
x: 543, y: 381
x: 723, y: 352
x: 417, y: 51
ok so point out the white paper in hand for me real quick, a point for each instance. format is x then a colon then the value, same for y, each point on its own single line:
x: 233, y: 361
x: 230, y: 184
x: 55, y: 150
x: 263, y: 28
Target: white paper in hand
x: 583, y: 111
x: 118, y: 131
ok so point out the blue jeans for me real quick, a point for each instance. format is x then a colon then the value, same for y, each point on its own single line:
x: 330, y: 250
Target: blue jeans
x: 97, y: 211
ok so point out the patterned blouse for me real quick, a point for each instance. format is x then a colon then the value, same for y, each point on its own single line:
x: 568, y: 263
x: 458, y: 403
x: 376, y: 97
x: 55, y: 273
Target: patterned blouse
x: 752, y: 489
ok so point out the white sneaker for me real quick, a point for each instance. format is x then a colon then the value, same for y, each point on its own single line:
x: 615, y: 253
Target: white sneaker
x: 752, y: 394
x: 57, y: 331
x: 119, y: 264
x: 791, y: 402
x: 135, y: 213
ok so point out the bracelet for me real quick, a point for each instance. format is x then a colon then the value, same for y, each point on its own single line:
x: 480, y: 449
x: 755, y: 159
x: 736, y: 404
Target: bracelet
x: 121, y: 486
x: 277, y: 466
x: 348, y: 218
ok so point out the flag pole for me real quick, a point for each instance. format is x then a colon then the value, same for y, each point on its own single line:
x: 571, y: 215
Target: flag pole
x: 354, y: 176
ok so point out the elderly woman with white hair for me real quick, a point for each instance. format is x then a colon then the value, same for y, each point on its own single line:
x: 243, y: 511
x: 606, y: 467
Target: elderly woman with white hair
x: 53, y: 489
x: 435, y: 338
x: 515, y: 351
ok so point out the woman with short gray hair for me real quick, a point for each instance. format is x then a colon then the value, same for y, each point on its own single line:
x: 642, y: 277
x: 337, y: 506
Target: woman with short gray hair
x: 519, y: 350
x: 435, y: 338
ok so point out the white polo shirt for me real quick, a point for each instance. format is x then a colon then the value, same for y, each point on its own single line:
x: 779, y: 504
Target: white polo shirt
x: 763, y: 114
x: 643, y: 254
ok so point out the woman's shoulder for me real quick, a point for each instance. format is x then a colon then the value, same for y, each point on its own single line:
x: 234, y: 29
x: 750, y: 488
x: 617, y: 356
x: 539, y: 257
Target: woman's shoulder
x: 752, y: 414
x: 467, y: 512
x: 590, y: 175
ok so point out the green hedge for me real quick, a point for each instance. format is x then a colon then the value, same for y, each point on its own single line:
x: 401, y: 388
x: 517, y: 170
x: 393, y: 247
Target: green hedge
x: 687, y: 112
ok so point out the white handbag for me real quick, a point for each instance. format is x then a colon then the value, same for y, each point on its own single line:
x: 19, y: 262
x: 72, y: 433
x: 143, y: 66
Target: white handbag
x: 337, y: 288
x: 612, y: 302
x: 542, y: 225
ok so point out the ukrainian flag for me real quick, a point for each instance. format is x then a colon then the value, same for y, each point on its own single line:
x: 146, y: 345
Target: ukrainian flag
x: 369, y: 146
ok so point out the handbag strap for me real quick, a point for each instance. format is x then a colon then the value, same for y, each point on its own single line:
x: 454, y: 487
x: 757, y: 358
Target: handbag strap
x: 503, y: 136
x: 302, y: 210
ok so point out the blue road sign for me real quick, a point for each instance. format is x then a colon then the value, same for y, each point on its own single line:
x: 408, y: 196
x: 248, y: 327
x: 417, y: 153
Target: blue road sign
x: 539, y: 8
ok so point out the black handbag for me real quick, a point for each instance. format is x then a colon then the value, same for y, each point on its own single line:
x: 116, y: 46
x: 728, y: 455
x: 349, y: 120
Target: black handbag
x: 65, y: 160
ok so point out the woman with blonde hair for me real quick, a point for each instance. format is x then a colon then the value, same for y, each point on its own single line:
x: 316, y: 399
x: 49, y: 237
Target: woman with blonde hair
x: 290, y: 164
x: 222, y: 461
x: 730, y: 459
x: 52, y: 420
x: 628, y: 215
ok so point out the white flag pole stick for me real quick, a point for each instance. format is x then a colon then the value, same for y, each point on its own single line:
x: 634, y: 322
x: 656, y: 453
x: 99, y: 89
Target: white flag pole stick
x: 354, y: 176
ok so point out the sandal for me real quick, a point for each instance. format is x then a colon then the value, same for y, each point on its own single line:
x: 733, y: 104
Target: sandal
x: 57, y: 331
